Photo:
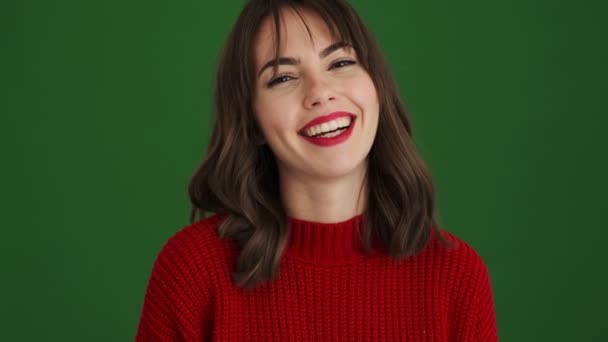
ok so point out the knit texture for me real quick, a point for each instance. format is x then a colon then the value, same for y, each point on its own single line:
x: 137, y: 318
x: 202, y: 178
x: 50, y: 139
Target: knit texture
x: 327, y: 290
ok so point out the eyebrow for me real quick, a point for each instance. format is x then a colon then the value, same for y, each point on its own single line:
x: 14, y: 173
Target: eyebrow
x: 295, y: 61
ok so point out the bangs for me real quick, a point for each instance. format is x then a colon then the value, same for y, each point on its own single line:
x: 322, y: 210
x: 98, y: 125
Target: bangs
x: 341, y: 23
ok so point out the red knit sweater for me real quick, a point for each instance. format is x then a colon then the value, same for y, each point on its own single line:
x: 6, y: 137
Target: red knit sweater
x: 327, y: 290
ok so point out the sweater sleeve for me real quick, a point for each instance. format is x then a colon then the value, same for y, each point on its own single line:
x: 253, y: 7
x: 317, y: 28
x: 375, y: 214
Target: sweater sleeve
x: 177, y: 300
x: 477, y: 319
x: 483, y: 314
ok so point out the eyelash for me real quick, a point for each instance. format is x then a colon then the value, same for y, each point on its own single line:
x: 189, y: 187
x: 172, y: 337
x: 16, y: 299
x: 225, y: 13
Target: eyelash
x: 277, y: 79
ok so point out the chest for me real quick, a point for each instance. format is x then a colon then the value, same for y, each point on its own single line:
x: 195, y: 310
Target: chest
x: 380, y: 303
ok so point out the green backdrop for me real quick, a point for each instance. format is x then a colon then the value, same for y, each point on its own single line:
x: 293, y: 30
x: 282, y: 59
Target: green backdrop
x: 105, y: 113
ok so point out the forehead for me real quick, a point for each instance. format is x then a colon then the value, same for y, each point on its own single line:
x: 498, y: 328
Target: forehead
x: 308, y: 32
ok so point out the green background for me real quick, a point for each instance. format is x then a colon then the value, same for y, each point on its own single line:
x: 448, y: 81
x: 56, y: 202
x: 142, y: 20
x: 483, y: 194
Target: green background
x: 105, y: 110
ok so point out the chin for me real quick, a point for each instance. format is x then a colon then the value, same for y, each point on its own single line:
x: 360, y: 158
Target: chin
x: 340, y: 169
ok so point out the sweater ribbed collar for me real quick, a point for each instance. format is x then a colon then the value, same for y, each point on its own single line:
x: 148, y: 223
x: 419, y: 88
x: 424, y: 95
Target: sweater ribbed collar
x: 325, y: 243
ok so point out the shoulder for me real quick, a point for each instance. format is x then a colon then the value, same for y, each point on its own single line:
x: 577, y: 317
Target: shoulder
x: 456, y: 250
x: 467, y: 287
x: 202, y: 233
x: 183, y: 281
x: 458, y: 261
x: 196, y: 246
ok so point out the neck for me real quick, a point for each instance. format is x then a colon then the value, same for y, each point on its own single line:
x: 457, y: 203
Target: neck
x: 324, y: 200
x: 327, y: 243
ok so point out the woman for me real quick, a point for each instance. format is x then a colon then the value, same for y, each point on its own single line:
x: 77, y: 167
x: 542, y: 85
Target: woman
x: 322, y: 222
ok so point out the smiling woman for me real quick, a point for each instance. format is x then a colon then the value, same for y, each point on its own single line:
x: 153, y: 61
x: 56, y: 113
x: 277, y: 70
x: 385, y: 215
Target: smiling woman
x: 317, y: 89
x: 322, y: 214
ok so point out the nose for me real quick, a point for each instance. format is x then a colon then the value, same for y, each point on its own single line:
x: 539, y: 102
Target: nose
x: 317, y: 93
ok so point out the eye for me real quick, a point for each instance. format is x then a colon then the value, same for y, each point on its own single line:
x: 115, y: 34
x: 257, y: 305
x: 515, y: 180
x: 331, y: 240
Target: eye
x: 342, y: 63
x: 279, y: 79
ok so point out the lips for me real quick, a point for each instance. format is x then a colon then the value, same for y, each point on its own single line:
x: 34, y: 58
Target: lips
x: 325, y: 118
x: 332, y: 134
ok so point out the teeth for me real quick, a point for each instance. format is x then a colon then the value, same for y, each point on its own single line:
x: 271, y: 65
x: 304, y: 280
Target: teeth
x: 328, y: 126
x: 332, y: 134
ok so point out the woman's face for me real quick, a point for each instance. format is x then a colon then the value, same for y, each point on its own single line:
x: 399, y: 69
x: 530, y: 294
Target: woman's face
x: 316, y: 89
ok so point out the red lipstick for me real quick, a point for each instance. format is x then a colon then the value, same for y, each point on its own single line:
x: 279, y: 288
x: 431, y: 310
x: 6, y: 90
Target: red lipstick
x: 325, y: 118
x: 325, y: 142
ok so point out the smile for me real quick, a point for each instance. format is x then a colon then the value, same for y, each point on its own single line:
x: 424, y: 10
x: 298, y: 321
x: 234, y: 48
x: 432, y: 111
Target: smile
x: 330, y: 132
x: 330, y: 128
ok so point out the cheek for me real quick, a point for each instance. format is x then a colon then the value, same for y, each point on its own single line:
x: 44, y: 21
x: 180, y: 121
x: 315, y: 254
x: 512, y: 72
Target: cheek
x: 266, y: 114
x: 371, y: 90
x: 365, y: 93
x: 274, y: 115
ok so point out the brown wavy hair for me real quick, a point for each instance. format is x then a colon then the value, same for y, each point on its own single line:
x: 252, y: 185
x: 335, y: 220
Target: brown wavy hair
x: 238, y: 179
